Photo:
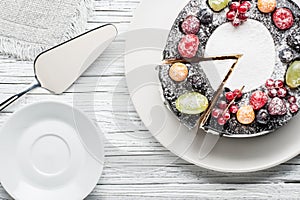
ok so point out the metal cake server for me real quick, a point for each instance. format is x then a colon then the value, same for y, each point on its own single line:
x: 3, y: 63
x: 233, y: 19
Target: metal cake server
x: 212, y: 137
x: 57, y: 68
x: 209, y: 142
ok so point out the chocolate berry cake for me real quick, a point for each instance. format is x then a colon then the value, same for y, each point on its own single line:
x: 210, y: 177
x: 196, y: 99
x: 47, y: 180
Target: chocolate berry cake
x: 247, y: 39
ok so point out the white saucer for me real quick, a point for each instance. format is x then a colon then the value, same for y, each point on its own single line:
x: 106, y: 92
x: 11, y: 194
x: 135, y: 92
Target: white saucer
x: 144, y: 45
x: 42, y: 156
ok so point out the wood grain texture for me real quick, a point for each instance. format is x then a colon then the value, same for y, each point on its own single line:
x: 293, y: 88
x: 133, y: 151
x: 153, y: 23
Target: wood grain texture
x: 137, y: 166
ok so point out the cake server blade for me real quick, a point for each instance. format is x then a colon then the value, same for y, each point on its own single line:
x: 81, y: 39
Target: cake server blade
x: 209, y: 142
x: 57, y: 68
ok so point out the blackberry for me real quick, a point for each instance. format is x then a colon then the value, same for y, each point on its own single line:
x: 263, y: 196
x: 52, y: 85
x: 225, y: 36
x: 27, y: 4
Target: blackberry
x: 169, y: 95
x: 193, y: 79
x: 233, y: 123
x: 293, y: 40
x: 198, y: 84
x: 166, y: 54
x: 194, y: 3
x: 248, y: 130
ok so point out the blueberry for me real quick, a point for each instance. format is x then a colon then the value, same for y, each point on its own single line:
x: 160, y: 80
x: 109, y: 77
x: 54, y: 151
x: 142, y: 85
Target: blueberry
x: 293, y: 40
x: 263, y: 117
x: 206, y: 16
x: 226, y: 89
x: 286, y: 55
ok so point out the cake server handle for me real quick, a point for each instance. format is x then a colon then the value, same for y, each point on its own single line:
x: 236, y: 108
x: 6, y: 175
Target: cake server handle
x: 13, y: 98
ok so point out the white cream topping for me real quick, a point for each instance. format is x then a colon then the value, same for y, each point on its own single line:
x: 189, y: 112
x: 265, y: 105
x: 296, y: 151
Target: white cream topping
x: 254, y: 41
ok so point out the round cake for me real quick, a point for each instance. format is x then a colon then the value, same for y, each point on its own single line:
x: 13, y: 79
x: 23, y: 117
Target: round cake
x: 233, y: 67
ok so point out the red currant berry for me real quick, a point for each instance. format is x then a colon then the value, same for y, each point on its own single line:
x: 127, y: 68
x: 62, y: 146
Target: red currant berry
x: 234, y: 6
x: 247, y: 4
x: 229, y: 96
x: 216, y: 113
x: 242, y: 9
x: 292, y: 99
x: 282, y: 92
x: 237, y: 93
x: 221, y: 121
x: 222, y: 105
x: 279, y: 84
x: 272, y: 93
x: 294, y: 108
x: 233, y: 109
x: 226, y: 116
x: 243, y: 17
x: 230, y: 15
x: 236, y: 22
x: 270, y: 83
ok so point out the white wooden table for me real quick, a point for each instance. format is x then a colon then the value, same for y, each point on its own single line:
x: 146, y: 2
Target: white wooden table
x: 137, y: 166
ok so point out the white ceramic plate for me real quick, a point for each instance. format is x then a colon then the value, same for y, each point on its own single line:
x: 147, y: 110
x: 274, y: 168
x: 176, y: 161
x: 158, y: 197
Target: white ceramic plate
x: 144, y: 44
x: 42, y: 156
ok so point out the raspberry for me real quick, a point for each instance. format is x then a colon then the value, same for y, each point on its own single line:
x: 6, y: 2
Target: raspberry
x: 283, y: 18
x: 258, y: 99
x: 190, y: 25
x: 188, y: 46
x: 277, y: 106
